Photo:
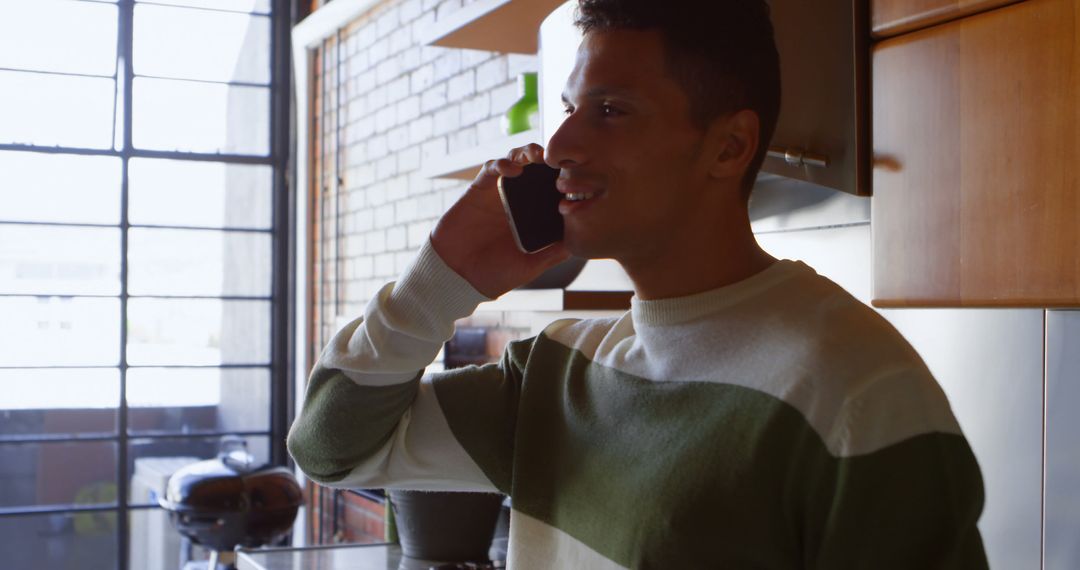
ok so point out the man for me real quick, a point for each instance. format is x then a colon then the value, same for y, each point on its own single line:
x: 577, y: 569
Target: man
x: 745, y: 413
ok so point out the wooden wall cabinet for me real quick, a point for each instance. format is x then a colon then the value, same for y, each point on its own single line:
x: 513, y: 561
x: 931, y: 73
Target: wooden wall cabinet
x: 892, y: 17
x: 976, y: 136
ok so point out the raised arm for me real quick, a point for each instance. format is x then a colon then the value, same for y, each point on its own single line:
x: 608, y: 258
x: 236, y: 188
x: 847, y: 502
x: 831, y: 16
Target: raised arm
x: 368, y: 419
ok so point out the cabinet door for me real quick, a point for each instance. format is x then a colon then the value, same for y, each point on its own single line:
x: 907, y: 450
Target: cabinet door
x: 976, y: 136
x: 892, y: 17
x: 823, y: 67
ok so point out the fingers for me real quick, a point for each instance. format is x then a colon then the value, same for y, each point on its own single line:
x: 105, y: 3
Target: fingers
x: 530, y: 153
x: 493, y: 169
x: 510, y: 166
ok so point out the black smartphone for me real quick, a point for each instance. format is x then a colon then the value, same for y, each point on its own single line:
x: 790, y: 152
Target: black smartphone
x: 531, y: 202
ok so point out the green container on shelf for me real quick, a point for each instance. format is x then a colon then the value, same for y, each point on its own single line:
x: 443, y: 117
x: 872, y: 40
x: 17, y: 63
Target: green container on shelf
x: 525, y: 113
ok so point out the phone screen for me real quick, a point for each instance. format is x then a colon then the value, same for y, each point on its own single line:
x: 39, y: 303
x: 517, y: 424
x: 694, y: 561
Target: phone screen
x: 532, y: 204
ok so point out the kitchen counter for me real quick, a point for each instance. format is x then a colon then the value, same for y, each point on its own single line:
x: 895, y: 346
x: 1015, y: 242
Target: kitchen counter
x: 337, y: 557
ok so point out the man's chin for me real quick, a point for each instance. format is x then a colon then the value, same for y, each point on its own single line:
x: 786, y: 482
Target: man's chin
x: 581, y: 246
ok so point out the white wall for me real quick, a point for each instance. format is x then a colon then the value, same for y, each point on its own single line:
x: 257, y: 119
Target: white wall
x: 1062, y: 505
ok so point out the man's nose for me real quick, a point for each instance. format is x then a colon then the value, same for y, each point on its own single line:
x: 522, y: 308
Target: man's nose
x: 565, y: 148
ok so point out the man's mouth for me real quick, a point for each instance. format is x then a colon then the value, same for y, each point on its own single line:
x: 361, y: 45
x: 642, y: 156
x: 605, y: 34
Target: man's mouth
x: 576, y: 191
x: 578, y: 196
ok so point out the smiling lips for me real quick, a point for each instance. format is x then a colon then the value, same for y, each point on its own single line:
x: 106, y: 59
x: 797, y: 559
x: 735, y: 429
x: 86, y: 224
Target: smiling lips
x: 577, y: 196
x: 574, y: 192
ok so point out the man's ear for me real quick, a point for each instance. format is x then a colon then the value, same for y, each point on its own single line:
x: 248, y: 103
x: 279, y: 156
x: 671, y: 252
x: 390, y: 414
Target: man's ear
x: 733, y: 139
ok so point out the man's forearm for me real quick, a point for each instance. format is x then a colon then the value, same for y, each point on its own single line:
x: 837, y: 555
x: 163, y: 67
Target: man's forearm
x: 367, y: 376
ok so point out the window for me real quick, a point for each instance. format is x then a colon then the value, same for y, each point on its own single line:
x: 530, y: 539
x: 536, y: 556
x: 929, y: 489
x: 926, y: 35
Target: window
x: 144, y: 282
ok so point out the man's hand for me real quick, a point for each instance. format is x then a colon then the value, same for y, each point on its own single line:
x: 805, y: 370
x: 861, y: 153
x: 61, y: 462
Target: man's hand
x: 473, y: 237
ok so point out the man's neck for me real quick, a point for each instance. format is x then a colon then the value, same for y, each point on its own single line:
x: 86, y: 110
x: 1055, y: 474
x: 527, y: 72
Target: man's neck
x: 695, y: 264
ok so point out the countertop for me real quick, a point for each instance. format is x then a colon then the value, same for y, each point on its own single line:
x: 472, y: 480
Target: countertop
x: 337, y: 557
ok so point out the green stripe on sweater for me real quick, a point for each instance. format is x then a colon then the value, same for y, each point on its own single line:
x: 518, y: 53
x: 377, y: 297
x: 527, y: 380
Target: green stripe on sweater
x: 484, y: 401
x: 327, y: 443
x: 735, y: 479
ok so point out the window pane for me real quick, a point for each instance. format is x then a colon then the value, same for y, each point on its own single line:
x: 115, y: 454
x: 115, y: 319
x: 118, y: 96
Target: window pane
x: 260, y: 6
x: 208, y: 194
x: 42, y: 473
x: 37, y: 187
x: 59, y: 331
x: 198, y: 262
x: 58, y: 401
x: 198, y: 331
x: 56, y: 110
x: 201, y: 117
x: 178, y: 451
x: 155, y: 544
x: 190, y: 400
x: 59, y: 260
x: 59, y: 541
x: 228, y: 47
x: 67, y: 37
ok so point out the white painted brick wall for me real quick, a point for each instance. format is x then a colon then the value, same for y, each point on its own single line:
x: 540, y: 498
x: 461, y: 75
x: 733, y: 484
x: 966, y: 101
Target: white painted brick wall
x: 489, y: 130
x: 433, y: 147
x: 374, y: 242
x: 396, y: 236
x: 518, y: 64
x: 461, y: 85
x: 384, y: 265
x: 406, y: 211
x: 446, y: 7
x: 421, y: 129
x: 398, y: 138
x: 448, y: 64
x: 475, y: 109
x: 433, y: 98
x: 491, y: 73
x: 364, y: 220
x: 401, y: 261
x: 410, y: 10
x: 504, y: 95
x: 422, y: 78
x: 418, y: 233
x: 407, y: 103
x: 409, y: 158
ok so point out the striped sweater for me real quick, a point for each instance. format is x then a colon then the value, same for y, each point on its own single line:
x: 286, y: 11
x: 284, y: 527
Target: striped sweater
x: 774, y: 423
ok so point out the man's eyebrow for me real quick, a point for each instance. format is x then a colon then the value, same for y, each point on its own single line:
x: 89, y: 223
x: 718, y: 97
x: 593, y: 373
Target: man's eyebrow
x: 601, y: 92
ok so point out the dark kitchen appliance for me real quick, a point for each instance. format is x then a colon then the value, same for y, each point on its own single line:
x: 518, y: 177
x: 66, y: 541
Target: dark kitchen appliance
x: 447, y: 526
x: 227, y: 502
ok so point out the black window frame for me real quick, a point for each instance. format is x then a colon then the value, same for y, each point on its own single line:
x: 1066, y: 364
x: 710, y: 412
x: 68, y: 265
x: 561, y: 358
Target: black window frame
x: 283, y: 15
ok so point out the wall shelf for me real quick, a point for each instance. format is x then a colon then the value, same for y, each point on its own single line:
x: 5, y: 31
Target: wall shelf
x: 508, y: 26
x: 559, y: 300
x: 465, y: 164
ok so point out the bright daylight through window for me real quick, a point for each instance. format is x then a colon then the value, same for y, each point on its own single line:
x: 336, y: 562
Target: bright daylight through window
x: 141, y: 264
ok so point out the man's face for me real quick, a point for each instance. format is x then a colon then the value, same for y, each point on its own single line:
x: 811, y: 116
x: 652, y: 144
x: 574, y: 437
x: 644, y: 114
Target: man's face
x: 628, y: 146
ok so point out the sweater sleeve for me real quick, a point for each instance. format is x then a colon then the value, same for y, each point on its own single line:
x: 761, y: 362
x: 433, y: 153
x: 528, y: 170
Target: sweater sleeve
x: 911, y: 502
x: 369, y: 417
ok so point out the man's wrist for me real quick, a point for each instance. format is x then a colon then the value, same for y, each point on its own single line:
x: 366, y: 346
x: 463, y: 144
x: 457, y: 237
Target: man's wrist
x: 429, y: 288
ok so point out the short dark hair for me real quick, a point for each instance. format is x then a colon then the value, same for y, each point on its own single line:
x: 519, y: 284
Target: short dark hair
x: 722, y: 53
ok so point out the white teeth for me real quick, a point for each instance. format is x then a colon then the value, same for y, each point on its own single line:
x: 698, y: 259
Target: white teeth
x: 575, y: 196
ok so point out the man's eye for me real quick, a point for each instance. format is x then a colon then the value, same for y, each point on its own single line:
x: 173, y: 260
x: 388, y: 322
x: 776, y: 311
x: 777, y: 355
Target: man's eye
x: 567, y: 110
x: 609, y: 110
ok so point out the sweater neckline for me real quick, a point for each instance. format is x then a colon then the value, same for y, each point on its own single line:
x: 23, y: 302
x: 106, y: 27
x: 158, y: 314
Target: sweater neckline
x: 675, y: 310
